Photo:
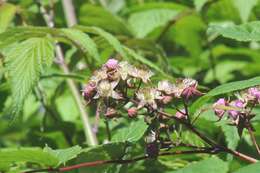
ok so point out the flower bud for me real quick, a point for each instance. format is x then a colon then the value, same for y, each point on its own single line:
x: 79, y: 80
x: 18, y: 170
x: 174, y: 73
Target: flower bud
x: 111, y: 64
x: 181, y: 115
x: 218, y: 111
x: 132, y: 112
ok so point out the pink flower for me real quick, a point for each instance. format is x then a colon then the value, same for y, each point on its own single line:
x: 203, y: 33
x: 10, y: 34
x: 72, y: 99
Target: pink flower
x: 132, y: 112
x: 218, y: 111
x: 234, y: 113
x: 181, y: 114
x: 89, y: 90
x: 254, y: 93
x: 111, y: 64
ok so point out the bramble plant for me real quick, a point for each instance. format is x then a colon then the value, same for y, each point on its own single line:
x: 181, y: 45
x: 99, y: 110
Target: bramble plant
x: 116, y: 86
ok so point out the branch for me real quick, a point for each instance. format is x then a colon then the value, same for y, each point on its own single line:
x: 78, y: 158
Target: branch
x: 119, y: 161
x: 210, y: 141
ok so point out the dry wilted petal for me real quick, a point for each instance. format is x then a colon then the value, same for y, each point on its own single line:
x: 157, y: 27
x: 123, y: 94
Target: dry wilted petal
x: 148, y: 96
x: 99, y: 75
x: 106, y: 89
x: 166, y: 87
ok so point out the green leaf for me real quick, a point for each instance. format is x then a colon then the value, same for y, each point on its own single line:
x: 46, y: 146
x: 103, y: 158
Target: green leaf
x: 91, y: 15
x: 64, y: 155
x: 155, y: 5
x: 224, y: 71
x: 231, y: 136
x: 132, y: 133
x: 113, y: 41
x: 109, y: 151
x: 245, y: 32
x: 142, y: 23
x: 213, y: 165
x: 7, y: 13
x: 199, y: 4
x: 82, y: 41
x: 252, y: 168
x: 187, y: 32
x: 21, y: 33
x: 31, y: 155
x: 244, y: 8
x: 223, y: 89
x: 25, y: 62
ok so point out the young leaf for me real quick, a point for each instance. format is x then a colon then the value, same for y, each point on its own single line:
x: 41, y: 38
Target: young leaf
x: 245, y: 32
x: 213, y: 164
x: 7, y: 13
x: 25, y: 62
x: 252, y: 168
x: 82, y: 41
x: 132, y: 133
x: 64, y: 155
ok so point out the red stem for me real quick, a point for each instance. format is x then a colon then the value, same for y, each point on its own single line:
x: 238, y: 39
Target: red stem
x: 118, y: 161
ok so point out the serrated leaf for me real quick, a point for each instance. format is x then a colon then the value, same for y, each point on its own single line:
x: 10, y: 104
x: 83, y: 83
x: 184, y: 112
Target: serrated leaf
x: 244, y: 7
x: 7, y: 13
x: 142, y: 23
x: 213, y: 165
x: 64, y: 155
x: 223, y: 89
x: 252, y: 168
x: 132, y: 133
x: 82, y: 41
x: 25, y: 62
x: 245, y: 32
x: 31, y: 155
x: 17, y: 34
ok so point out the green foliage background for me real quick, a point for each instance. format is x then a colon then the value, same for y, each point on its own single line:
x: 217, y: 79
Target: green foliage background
x: 213, y: 41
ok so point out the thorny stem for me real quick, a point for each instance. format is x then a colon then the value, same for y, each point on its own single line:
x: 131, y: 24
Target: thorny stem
x: 90, y: 136
x: 120, y: 161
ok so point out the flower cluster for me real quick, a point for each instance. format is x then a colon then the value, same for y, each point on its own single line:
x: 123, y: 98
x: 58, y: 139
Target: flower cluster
x: 114, y: 80
x: 239, y: 107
